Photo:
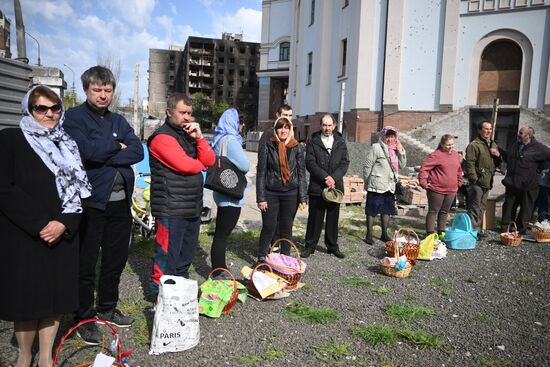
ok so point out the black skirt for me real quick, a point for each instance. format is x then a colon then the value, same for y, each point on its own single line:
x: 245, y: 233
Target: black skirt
x: 380, y: 203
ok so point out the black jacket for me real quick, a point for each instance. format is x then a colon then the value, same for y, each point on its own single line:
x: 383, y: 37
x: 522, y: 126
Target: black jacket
x: 174, y: 194
x: 523, y: 169
x: 321, y: 164
x: 268, y: 171
x: 98, y: 139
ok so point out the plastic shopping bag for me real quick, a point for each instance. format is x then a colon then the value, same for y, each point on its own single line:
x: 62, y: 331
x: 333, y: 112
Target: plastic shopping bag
x: 427, y: 247
x: 176, y: 322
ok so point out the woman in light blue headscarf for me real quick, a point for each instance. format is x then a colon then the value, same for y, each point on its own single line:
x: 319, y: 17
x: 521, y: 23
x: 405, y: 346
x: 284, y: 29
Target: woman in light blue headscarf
x: 227, y: 142
x: 42, y: 182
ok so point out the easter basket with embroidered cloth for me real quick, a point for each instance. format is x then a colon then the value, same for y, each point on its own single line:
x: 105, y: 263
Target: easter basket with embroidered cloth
x: 541, y: 230
x: 410, y: 247
x: 511, y: 238
x: 291, y: 269
x: 390, y: 268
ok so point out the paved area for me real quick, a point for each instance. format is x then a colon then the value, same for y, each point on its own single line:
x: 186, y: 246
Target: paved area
x: 251, y: 217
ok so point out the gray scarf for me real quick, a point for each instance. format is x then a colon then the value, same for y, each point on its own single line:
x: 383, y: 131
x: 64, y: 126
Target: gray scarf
x: 60, y: 154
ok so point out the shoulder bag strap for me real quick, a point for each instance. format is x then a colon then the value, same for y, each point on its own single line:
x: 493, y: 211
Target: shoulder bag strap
x: 223, y: 147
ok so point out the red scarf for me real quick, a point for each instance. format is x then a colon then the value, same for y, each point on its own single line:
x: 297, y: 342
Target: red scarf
x: 283, y: 159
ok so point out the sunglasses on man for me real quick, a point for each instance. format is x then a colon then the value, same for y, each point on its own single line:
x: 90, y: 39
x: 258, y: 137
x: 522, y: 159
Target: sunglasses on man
x: 42, y: 110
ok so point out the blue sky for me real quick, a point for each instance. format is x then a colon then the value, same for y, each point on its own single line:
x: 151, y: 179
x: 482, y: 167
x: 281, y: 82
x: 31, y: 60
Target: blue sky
x: 79, y: 32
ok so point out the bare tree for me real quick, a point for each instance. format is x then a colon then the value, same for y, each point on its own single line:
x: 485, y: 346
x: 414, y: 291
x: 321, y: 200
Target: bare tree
x: 113, y: 64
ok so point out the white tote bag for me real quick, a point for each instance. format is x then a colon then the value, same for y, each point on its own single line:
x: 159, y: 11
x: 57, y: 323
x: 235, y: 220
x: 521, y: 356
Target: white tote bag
x: 176, y: 323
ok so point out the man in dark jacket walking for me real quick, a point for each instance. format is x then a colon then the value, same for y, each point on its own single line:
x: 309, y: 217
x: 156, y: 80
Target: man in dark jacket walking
x: 179, y: 154
x: 327, y: 162
x: 108, y: 147
x: 525, y: 160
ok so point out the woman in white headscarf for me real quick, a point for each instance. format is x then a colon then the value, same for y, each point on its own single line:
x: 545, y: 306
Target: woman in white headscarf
x: 41, y: 187
x: 383, y: 162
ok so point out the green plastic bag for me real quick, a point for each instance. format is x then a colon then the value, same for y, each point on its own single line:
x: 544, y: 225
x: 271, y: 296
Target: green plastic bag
x: 215, y: 294
x: 427, y: 247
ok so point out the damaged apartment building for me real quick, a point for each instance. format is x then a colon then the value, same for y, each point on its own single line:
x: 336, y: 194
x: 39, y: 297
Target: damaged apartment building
x: 222, y: 69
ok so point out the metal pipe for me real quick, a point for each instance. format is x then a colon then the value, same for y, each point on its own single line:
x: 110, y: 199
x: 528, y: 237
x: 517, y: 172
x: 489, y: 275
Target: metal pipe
x: 381, y: 116
x: 38, y: 43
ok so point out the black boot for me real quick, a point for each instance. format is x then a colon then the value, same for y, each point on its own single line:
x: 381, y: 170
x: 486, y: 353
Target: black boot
x: 307, y: 252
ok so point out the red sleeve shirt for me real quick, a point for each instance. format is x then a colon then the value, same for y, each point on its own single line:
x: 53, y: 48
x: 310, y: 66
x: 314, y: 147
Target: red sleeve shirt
x: 441, y: 172
x: 170, y: 153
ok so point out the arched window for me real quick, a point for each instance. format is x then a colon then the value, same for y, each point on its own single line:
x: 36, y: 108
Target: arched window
x: 500, y: 73
x: 284, y: 51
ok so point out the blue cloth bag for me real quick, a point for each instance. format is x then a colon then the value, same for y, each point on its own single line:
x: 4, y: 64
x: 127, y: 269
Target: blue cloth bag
x: 461, y: 236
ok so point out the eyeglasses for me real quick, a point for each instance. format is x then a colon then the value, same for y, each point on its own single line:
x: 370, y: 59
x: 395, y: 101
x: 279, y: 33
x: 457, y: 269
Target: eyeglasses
x: 42, y: 110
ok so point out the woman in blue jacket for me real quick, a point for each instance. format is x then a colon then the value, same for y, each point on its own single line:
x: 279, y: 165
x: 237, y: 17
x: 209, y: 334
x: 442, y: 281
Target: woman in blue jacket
x: 227, y: 142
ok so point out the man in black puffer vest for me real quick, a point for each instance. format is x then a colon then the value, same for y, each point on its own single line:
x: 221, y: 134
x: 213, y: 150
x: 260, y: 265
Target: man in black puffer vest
x: 178, y: 155
x: 327, y: 162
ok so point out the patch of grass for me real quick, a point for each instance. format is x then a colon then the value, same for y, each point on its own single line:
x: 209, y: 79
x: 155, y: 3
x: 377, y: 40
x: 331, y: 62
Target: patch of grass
x: 357, y: 281
x: 331, y: 353
x: 308, y: 287
x: 250, y: 359
x: 142, y: 326
x: 525, y: 279
x: 488, y: 362
x: 205, y: 240
x: 446, y: 293
x: 350, y: 250
x: 352, y: 262
x: 409, y: 313
x: 270, y: 354
x: 271, y: 338
x: 483, y: 318
x: 410, y: 297
x: 471, y: 280
x: 381, y: 290
x: 326, y: 274
x: 386, y: 362
x: 385, y: 334
x: 422, y: 338
x: 273, y: 353
x: 249, y: 235
x: 377, y: 334
x: 438, y: 282
x: 297, y: 311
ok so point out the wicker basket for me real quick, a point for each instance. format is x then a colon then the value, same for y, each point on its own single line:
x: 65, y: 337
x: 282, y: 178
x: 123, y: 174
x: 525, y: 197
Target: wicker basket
x: 408, y: 249
x: 511, y: 238
x: 541, y: 234
x: 117, y: 363
x: 293, y: 279
x: 234, y: 296
x: 391, y: 270
x: 250, y: 285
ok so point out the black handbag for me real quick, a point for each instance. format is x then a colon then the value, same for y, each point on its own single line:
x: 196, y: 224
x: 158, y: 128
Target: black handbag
x: 224, y: 177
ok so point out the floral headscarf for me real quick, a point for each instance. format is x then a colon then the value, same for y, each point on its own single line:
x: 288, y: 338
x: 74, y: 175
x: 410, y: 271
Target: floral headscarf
x: 60, y: 154
x: 391, y: 148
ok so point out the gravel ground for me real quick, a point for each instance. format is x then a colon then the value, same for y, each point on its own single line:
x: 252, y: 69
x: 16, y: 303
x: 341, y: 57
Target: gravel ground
x: 491, y: 309
x: 491, y: 305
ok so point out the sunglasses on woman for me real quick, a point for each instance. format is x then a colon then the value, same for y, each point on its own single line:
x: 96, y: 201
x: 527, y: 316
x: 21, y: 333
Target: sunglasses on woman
x: 42, y: 110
